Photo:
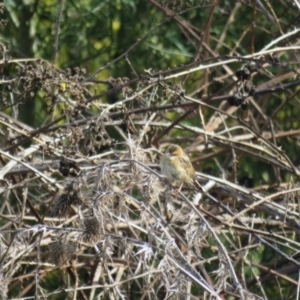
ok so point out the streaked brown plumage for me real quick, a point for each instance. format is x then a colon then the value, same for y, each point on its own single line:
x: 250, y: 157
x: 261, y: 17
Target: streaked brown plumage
x: 176, y: 166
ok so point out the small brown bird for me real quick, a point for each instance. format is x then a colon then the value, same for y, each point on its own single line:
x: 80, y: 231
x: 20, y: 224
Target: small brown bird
x: 177, y: 167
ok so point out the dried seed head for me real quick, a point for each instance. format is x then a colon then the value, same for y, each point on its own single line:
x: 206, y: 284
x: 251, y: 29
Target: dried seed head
x: 92, y: 229
x: 151, y: 189
x: 71, y: 196
x: 61, y: 250
x: 68, y: 168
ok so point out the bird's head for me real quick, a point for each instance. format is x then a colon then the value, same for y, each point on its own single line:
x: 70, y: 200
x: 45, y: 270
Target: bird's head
x: 174, y: 150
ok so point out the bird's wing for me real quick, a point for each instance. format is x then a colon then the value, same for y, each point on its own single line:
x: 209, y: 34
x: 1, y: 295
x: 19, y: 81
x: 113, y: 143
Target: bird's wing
x: 185, y: 161
x: 189, y: 169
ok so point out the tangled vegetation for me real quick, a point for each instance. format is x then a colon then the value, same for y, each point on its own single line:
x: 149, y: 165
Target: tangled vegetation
x: 92, y: 93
